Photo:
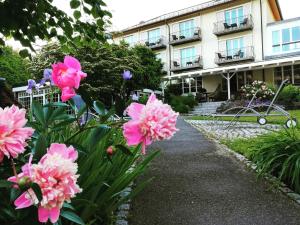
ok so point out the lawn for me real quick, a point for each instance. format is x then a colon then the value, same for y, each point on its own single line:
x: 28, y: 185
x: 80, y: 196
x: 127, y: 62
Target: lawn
x: 270, y: 119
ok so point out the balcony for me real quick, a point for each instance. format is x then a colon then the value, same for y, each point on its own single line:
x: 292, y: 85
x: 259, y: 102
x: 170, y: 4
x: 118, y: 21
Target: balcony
x: 156, y: 43
x: 185, y: 36
x: 242, y: 24
x: 190, y: 63
x: 235, y: 55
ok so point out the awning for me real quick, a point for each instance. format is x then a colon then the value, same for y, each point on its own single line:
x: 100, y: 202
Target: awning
x: 237, y: 68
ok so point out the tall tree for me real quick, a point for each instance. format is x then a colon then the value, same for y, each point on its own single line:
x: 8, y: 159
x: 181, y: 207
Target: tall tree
x: 27, y: 20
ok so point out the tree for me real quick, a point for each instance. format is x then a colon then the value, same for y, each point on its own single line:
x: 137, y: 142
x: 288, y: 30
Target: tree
x: 13, y: 67
x: 27, y: 20
x: 104, y: 63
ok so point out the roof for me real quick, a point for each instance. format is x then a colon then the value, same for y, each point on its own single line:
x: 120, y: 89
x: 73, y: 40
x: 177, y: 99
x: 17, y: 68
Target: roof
x: 237, y: 68
x: 196, y: 8
x: 181, y: 12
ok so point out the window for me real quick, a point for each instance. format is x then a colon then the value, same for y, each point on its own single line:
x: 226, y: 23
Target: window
x: 287, y: 72
x: 130, y: 40
x: 234, y: 45
x: 234, y: 15
x: 297, y: 74
x: 276, y: 41
x: 187, y: 55
x: 186, y: 29
x: 286, y: 39
x: 185, y: 85
x: 244, y: 78
x: 153, y: 35
x: 278, y: 76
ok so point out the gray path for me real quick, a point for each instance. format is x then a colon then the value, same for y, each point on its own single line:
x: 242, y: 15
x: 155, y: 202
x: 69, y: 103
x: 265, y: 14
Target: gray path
x: 197, y: 184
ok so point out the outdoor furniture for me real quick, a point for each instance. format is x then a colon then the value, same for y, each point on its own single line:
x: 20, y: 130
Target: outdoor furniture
x: 159, y: 41
x: 196, y: 33
x: 176, y: 64
x: 244, y: 22
x: 252, y: 110
x: 226, y: 26
x: 233, y: 25
x: 229, y: 57
x: 147, y: 43
x: 189, y: 63
x: 197, y: 60
x: 214, y: 95
x: 238, y: 54
x: 220, y: 56
x: 174, y: 37
x: 182, y: 37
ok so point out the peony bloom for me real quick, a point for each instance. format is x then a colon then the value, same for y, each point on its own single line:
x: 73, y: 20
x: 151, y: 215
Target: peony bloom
x: 67, y: 76
x: 13, y: 134
x: 154, y: 121
x: 56, y: 176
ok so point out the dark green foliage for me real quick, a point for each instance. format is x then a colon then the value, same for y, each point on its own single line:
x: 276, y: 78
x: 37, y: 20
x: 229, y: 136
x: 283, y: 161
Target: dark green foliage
x: 289, y: 96
x: 28, y: 20
x: 13, y: 68
x: 182, y: 104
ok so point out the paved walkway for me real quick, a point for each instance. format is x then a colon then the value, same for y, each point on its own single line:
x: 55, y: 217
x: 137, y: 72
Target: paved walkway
x: 197, y: 184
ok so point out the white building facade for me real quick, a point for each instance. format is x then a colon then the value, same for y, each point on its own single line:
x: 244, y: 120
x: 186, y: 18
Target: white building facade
x: 222, y: 44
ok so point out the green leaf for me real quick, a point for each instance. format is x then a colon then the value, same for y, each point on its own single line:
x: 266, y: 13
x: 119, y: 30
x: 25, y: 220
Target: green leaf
x: 99, y: 108
x: 37, y: 190
x: 97, y: 134
x: 5, y: 184
x: 77, y: 14
x: 38, y: 113
x: 74, y: 4
x: 72, y: 217
x: 67, y: 205
x: 40, y: 147
x: 124, y: 149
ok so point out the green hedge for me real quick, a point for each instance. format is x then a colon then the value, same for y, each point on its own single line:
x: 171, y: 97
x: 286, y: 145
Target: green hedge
x: 182, y: 104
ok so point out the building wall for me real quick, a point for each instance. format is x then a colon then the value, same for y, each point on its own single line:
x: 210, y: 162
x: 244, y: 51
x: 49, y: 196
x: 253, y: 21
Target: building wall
x: 210, y: 83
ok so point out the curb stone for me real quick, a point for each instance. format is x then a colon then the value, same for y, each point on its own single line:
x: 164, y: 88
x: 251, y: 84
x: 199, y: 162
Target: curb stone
x: 274, y: 180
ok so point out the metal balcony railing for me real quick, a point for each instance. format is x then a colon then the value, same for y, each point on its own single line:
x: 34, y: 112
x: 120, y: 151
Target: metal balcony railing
x: 184, y: 36
x: 237, y: 25
x: 187, y: 63
x: 155, y: 42
x: 235, y: 55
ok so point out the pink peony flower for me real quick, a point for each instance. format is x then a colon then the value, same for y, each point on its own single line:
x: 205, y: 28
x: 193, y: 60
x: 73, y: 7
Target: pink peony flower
x: 67, y: 76
x: 154, y: 121
x: 56, y: 176
x: 13, y: 134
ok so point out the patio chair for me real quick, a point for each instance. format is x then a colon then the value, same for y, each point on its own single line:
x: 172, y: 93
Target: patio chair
x: 176, y: 64
x: 197, y: 60
x: 220, y: 56
x: 182, y: 37
x: 214, y: 95
x: 147, y: 43
x: 233, y: 25
x: 244, y: 22
x: 238, y: 54
x: 159, y: 41
x: 226, y: 26
x: 174, y: 37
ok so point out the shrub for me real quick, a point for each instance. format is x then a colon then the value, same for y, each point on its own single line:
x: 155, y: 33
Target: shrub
x: 278, y: 154
x: 289, y: 95
x: 260, y: 88
x: 182, y: 104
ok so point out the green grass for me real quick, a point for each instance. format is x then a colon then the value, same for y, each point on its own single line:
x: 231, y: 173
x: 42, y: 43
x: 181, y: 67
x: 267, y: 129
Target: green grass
x: 241, y: 145
x: 270, y: 119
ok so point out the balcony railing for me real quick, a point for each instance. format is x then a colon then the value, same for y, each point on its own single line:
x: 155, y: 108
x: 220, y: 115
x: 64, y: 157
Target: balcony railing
x: 235, y: 55
x: 184, y: 36
x: 241, y: 24
x: 188, y: 63
x: 156, y: 43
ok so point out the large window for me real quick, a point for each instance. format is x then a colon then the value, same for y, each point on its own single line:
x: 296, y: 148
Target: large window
x: 234, y: 45
x: 292, y: 73
x: 187, y: 55
x: 235, y: 15
x: 153, y: 35
x: 130, y: 40
x: 187, y: 29
x: 285, y: 40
